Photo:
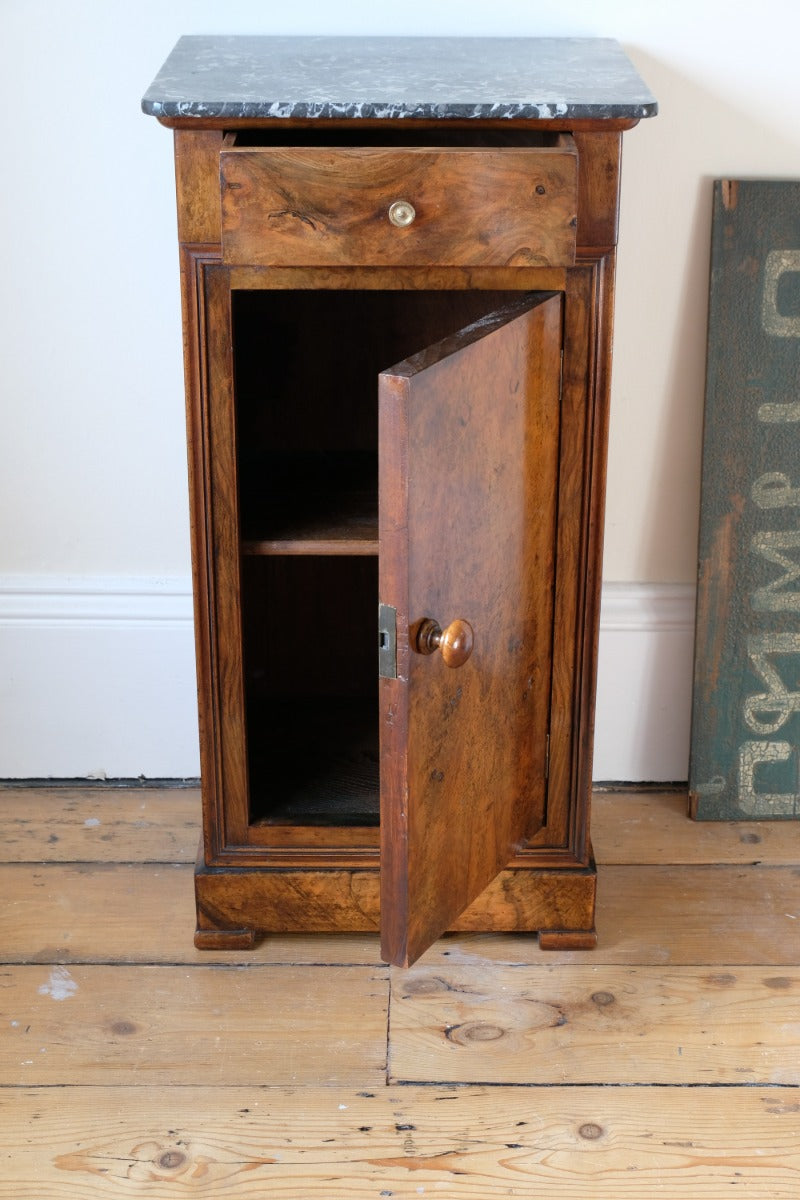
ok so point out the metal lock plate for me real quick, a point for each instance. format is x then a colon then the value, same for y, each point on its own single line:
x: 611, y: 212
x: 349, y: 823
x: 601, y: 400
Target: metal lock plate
x: 387, y: 641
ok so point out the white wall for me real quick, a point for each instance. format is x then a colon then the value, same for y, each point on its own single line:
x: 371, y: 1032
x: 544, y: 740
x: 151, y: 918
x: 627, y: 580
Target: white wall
x: 92, y: 462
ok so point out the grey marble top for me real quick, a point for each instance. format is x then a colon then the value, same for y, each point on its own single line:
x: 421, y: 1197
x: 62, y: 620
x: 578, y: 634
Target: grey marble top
x: 390, y: 78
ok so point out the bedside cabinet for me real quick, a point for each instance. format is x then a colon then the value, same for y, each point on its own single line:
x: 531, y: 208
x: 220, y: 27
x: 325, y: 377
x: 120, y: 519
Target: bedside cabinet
x: 397, y: 259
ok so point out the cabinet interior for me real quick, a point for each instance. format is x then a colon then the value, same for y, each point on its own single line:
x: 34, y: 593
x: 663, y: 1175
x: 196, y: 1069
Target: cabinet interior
x: 320, y: 134
x: 306, y: 369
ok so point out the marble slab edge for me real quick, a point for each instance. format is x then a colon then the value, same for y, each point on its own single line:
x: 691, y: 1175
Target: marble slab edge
x: 332, y: 111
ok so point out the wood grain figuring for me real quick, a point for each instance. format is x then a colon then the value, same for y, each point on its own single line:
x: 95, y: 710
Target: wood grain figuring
x: 555, y: 1024
x: 294, y: 901
x: 599, y: 159
x: 197, y: 186
x: 220, y: 548
x: 239, y: 1143
x: 590, y: 575
x: 577, y: 582
x: 469, y: 447
x: 240, y: 1025
x: 412, y: 279
x: 319, y: 206
x: 193, y: 261
x: 297, y: 895
x: 533, y: 900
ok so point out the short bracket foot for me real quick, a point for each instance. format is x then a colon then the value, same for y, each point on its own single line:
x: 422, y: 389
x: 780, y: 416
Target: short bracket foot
x: 567, y: 939
x: 206, y: 938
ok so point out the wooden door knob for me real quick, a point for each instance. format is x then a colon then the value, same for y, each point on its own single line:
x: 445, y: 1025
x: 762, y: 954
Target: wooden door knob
x: 455, y: 642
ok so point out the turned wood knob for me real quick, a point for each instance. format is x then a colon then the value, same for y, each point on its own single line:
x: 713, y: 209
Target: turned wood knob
x: 455, y: 642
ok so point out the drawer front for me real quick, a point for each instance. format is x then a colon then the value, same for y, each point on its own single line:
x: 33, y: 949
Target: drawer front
x: 415, y: 207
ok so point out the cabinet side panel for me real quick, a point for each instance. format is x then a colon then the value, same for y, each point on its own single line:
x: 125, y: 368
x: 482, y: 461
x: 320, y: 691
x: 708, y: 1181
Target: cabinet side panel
x: 224, y: 560
x: 603, y: 322
x: 584, y: 439
x: 193, y: 261
x: 215, y: 557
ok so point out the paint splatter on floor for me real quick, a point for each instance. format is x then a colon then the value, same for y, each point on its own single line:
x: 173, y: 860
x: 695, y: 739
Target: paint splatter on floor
x: 60, y: 985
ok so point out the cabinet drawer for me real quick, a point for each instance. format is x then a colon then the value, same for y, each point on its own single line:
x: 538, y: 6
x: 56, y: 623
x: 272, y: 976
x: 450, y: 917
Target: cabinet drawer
x: 410, y: 206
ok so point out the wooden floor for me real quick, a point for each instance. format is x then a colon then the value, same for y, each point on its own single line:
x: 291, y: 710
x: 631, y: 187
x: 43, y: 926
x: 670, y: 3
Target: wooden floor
x: 665, y: 1063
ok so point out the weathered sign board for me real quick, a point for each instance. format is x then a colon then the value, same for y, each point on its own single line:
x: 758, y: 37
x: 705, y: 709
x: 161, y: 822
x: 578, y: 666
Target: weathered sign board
x: 745, y: 758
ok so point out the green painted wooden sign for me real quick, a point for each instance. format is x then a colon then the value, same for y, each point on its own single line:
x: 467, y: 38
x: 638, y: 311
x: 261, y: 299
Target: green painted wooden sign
x: 745, y: 757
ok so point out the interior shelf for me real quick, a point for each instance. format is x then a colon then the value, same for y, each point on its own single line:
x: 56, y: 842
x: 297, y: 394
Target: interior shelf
x: 311, y: 504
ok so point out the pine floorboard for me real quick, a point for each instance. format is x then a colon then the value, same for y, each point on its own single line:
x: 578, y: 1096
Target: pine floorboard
x: 666, y: 1062
x: 233, y: 1143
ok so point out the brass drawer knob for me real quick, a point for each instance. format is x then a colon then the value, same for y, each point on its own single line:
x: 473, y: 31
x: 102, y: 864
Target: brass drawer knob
x: 402, y: 213
x: 455, y: 642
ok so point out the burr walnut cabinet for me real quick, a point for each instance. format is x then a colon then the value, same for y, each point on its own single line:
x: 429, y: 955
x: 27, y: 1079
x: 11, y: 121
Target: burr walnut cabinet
x: 397, y: 289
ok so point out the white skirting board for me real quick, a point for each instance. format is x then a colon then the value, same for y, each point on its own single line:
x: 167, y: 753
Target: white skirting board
x: 644, y: 683
x: 97, y: 679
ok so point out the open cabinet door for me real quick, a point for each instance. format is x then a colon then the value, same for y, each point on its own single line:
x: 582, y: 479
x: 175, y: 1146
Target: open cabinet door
x: 469, y: 432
